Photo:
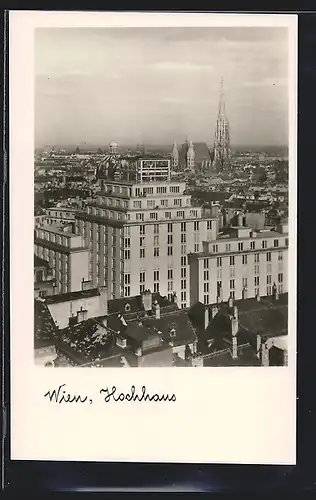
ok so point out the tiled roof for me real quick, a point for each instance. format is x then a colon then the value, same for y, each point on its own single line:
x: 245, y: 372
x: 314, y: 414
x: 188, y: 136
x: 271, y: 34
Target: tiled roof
x: 201, y: 152
x: 246, y: 357
x: 179, y: 320
x: 45, y: 329
x: 66, y: 297
x: 85, y: 342
x: 134, y: 304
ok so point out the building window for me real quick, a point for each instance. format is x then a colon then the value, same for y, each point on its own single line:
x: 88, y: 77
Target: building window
x: 196, y: 247
x: 156, y: 275
x: 276, y: 243
x: 183, y: 284
x: 183, y: 272
x: 156, y: 287
x: 227, y: 247
x: 153, y: 215
x: 183, y: 238
x: 170, y: 286
x: 142, y: 230
x: 215, y: 248
x: 206, y: 287
x: 232, y: 294
x: 269, y: 279
x: 196, y: 226
x: 183, y: 261
x: 232, y: 272
x: 268, y: 256
x: 219, y: 261
x: 206, y: 299
x: 264, y: 243
x: 269, y: 290
x: 164, y: 203
x: 142, y: 253
x: 183, y: 226
x: 141, y: 288
x: 170, y: 297
x: 257, y: 292
x: 183, y: 249
x: 257, y: 270
x: 206, y: 275
x: 169, y: 239
x: 231, y: 284
x: 127, y: 291
x: 156, y: 228
x: 183, y: 296
x: 280, y: 255
x: 257, y: 281
x: 244, y: 259
x: 156, y: 251
x: 244, y: 282
x: 170, y: 228
x: 140, y: 217
x: 127, y: 279
x: 137, y: 204
x: 156, y: 241
x: 127, y: 254
x: 240, y: 246
x: 167, y: 215
x: 127, y: 242
x: 169, y: 251
x: 206, y: 263
x: 269, y: 267
x: 209, y: 225
x: 170, y: 274
x: 252, y: 245
x: 142, y: 277
x: 257, y: 257
x: 280, y: 277
x: 280, y: 288
x: 141, y: 241
x: 180, y: 213
x: 232, y: 261
x: 150, y: 203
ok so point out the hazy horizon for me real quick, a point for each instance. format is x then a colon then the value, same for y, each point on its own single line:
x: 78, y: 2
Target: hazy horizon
x: 159, y: 85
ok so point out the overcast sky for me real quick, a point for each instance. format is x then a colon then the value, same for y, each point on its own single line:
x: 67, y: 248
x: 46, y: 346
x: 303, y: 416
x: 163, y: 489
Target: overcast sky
x: 158, y: 85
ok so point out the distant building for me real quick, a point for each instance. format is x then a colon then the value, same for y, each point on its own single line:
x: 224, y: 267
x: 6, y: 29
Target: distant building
x: 221, y: 160
x: 44, y: 282
x: 240, y: 264
x: 195, y: 156
x: 174, y: 157
x: 67, y: 255
x: 113, y: 148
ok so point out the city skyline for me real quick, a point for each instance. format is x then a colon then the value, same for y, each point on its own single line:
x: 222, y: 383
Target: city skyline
x: 129, y: 92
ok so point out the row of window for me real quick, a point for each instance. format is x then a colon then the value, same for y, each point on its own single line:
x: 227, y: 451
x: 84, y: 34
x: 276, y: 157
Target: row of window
x: 244, y: 293
x: 253, y: 245
x: 177, y: 202
x: 244, y: 258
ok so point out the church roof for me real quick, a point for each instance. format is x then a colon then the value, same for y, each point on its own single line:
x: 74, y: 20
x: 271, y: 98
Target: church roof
x: 201, y: 150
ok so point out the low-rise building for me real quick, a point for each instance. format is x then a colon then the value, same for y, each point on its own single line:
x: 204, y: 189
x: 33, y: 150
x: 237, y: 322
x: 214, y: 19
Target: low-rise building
x: 67, y: 255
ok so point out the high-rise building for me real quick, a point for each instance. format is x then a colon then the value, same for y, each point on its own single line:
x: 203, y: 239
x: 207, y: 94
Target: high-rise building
x: 221, y: 158
x: 174, y: 157
x: 140, y: 236
x: 242, y: 264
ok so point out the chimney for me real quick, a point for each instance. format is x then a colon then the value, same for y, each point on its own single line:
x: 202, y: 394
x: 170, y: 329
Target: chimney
x: 264, y: 355
x: 157, y: 310
x: 214, y: 311
x: 206, y: 317
x: 258, y: 297
x: 236, y: 312
x: 81, y: 315
x: 258, y: 345
x: 147, y: 300
x: 103, y: 300
x: 240, y: 220
x: 235, y: 352
x: 234, y: 326
x: 230, y: 302
x: 175, y: 298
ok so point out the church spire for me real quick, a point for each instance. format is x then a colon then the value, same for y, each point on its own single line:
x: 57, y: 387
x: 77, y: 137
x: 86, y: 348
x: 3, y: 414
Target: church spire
x: 222, y: 135
x: 175, y: 156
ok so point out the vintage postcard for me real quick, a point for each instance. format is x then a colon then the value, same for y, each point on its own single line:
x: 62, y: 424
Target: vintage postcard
x: 153, y: 196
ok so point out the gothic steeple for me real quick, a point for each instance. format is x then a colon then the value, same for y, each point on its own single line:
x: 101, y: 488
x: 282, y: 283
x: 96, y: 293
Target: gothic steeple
x: 222, y: 135
x: 175, y: 156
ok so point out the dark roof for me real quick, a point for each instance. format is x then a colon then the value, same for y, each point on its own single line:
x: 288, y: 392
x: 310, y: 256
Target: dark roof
x: 208, y: 196
x: 45, y: 330
x: 85, y: 342
x: 99, y: 220
x: 246, y: 357
x: 66, y: 297
x: 201, y: 150
x: 134, y: 304
x: 38, y: 262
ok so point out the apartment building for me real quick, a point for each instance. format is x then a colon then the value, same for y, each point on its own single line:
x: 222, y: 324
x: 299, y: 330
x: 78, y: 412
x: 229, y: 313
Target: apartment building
x: 240, y: 264
x: 67, y: 256
x: 140, y: 235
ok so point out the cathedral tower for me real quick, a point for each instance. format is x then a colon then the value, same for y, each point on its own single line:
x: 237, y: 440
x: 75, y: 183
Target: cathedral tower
x: 221, y: 159
x: 174, y: 157
x: 191, y: 157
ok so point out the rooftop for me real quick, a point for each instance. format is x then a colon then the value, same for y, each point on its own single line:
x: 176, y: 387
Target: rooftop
x: 45, y: 330
x: 67, y: 297
x: 38, y: 262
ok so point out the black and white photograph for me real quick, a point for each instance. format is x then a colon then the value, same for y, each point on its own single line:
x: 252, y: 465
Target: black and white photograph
x: 161, y: 175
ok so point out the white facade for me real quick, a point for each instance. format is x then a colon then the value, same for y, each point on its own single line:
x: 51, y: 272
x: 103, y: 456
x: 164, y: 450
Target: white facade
x: 242, y: 266
x: 140, y: 236
x: 67, y: 256
x: 153, y: 170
